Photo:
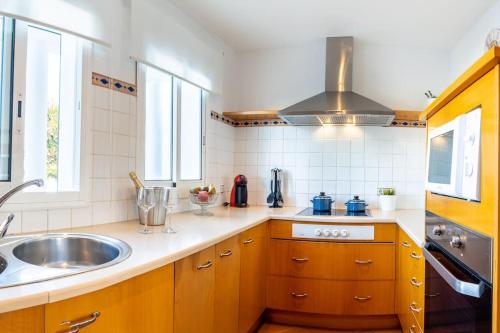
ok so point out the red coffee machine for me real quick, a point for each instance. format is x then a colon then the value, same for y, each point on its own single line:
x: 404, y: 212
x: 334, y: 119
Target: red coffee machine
x: 239, y: 193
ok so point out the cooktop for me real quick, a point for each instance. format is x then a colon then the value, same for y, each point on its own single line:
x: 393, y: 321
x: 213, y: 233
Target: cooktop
x: 334, y: 212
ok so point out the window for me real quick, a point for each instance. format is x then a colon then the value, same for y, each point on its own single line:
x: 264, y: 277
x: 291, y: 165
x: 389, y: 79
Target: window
x: 49, y: 109
x: 173, y: 127
x: 6, y: 66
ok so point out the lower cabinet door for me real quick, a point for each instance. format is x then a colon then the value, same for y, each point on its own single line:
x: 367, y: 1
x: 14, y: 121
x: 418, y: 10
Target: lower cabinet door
x: 194, y: 293
x: 253, y: 245
x: 331, y: 297
x: 227, y: 285
x: 23, y: 321
x: 141, y: 304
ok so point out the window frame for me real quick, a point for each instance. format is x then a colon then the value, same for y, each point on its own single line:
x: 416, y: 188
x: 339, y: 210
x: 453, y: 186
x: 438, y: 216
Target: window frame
x: 176, y: 130
x: 46, y: 200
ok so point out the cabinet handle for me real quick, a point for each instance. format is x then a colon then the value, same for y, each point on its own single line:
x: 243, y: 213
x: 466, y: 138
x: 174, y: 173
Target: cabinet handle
x: 405, y: 244
x: 248, y: 241
x: 205, y: 265
x: 413, y: 307
x: 226, y: 253
x: 362, y: 298
x: 299, y: 295
x: 414, y: 255
x: 363, y: 262
x: 414, y: 282
x: 411, y: 329
x: 76, y: 327
x: 300, y: 259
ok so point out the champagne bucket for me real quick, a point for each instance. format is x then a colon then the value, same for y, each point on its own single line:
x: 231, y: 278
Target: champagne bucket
x: 157, y: 214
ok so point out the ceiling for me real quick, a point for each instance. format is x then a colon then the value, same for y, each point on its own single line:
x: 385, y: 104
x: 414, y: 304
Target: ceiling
x: 259, y: 24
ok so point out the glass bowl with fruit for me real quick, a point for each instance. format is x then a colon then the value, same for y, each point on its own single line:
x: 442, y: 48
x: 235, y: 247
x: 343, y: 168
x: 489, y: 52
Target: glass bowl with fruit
x: 203, y: 196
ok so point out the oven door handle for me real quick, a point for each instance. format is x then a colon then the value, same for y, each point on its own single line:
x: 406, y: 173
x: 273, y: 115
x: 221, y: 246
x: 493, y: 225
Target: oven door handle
x: 462, y: 287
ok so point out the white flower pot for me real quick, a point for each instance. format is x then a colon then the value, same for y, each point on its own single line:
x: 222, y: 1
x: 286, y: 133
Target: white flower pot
x: 387, y: 202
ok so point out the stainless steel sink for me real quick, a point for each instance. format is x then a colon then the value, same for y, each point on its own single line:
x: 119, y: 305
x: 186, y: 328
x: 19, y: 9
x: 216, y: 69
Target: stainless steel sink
x: 39, y: 258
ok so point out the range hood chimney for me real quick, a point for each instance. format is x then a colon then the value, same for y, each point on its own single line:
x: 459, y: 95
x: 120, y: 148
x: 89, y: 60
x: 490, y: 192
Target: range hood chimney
x: 338, y: 105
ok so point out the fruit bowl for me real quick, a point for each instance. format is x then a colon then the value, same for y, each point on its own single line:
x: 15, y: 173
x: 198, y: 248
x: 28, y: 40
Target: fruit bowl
x: 203, y: 203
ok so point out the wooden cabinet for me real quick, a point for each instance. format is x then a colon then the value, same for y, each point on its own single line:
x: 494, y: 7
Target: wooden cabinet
x: 227, y: 285
x: 253, y: 245
x: 410, y: 283
x: 331, y: 297
x: 143, y: 303
x: 335, y: 261
x: 22, y: 321
x: 195, y: 292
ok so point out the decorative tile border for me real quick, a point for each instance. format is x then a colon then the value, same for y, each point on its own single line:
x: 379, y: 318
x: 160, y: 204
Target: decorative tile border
x: 115, y: 84
x: 280, y: 122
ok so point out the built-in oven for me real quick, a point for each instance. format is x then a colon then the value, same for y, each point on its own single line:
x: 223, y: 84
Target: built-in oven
x: 458, y: 275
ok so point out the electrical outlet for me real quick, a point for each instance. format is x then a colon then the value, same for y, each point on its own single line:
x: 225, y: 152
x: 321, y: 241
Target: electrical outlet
x: 221, y: 188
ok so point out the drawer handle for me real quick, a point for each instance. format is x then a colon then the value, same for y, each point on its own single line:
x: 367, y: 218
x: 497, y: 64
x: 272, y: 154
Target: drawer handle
x: 362, y: 298
x: 411, y: 329
x: 363, y: 262
x: 405, y: 244
x: 76, y: 327
x: 300, y: 259
x: 413, y: 307
x: 226, y: 253
x: 205, y: 265
x: 299, y: 295
x: 414, y: 255
x: 248, y: 241
x: 414, y: 282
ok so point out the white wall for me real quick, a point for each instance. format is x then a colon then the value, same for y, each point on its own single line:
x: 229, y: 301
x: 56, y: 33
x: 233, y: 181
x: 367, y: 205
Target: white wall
x: 341, y: 161
x: 394, y: 76
x: 472, y: 44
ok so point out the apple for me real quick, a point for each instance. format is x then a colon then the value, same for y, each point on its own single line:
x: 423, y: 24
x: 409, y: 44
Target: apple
x: 203, y: 196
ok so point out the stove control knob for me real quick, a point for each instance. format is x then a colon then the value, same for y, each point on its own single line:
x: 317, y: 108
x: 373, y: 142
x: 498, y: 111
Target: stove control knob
x: 335, y: 233
x: 344, y: 233
x: 457, y: 241
x: 438, y: 230
x: 327, y: 232
x: 318, y: 232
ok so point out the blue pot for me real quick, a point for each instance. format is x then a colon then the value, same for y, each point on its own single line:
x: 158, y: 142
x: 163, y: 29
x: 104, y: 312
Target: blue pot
x: 356, y: 205
x: 322, y: 202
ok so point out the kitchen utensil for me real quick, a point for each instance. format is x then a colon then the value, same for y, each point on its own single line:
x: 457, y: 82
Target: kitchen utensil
x: 356, y: 205
x: 168, y: 201
x: 146, y: 200
x: 157, y: 214
x: 322, y: 202
x: 276, y: 195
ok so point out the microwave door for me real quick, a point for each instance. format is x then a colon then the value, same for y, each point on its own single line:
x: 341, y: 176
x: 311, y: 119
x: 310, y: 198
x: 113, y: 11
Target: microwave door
x: 442, y: 156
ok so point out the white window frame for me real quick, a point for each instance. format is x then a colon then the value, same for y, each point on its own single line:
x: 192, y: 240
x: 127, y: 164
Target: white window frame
x: 46, y: 200
x: 141, y: 121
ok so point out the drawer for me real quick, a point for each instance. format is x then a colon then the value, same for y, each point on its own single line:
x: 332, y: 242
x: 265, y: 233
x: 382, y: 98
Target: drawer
x: 384, y: 232
x: 331, y: 297
x: 416, y: 303
x: 414, y: 326
x: 335, y: 261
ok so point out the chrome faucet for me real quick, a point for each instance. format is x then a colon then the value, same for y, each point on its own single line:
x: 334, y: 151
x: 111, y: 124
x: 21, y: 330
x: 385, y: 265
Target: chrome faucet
x: 4, y: 226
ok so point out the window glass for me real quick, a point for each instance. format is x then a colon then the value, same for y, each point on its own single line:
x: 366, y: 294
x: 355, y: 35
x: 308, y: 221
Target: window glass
x: 6, y: 63
x: 158, y: 125
x: 190, y: 132
x: 52, y: 109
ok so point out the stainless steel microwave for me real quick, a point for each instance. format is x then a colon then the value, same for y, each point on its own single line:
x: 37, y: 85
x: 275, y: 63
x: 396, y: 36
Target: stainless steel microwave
x: 453, y: 157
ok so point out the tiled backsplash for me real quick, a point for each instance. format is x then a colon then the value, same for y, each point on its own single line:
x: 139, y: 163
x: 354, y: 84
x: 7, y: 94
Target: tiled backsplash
x: 341, y: 161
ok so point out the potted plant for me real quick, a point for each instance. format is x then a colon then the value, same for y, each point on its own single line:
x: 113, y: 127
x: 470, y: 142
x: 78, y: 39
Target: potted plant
x: 387, y: 199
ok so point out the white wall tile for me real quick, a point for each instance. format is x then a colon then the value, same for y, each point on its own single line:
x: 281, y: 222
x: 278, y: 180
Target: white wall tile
x: 34, y: 221
x: 59, y: 219
x: 81, y: 217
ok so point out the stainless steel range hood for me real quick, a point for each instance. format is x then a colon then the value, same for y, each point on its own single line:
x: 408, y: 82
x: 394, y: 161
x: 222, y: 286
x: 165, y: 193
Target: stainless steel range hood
x: 338, y: 105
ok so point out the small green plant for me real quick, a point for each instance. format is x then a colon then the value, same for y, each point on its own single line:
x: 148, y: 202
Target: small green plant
x: 386, y: 191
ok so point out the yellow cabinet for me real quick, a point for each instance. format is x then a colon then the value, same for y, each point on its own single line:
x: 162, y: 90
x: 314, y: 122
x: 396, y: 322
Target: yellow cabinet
x: 253, y: 245
x: 22, y: 321
x: 141, y: 304
x: 410, y: 283
x: 227, y: 285
x: 195, y: 292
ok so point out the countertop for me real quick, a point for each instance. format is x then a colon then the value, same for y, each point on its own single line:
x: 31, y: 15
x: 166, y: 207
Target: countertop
x: 194, y: 233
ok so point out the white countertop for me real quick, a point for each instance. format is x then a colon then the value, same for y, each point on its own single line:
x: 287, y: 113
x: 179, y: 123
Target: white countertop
x: 194, y: 233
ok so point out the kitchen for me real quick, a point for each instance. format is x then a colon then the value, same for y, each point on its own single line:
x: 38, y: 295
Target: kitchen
x: 222, y: 166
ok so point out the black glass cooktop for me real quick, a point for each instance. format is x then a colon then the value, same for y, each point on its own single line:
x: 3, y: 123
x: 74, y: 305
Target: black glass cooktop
x: 334, y: 212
